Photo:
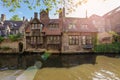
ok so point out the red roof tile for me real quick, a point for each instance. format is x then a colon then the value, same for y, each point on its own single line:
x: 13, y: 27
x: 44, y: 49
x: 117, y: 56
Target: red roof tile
x: 53, y: 32
x: 79, y: 25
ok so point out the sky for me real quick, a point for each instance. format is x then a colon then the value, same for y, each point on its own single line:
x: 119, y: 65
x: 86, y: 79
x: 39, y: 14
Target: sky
x: 98, y: 7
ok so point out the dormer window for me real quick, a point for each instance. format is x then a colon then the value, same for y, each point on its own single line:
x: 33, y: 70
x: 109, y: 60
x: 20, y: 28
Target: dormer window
x: 84, y: 26
x: 36, y: 26
x: 54, y: 26
x: 72, y: 26
x: 15, y: 24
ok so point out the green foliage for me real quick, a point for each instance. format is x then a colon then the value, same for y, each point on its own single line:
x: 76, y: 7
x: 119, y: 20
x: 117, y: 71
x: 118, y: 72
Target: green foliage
x: 32, y: 4
x: 46, y: 55
x: 14, y: 37
x: 113, y: 47
x: 1, y: 39
x: 116, y: 37
x: 5, y: 48
x: 15, y: 18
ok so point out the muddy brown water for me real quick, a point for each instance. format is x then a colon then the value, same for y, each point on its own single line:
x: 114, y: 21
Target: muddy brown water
x: 106, y: 68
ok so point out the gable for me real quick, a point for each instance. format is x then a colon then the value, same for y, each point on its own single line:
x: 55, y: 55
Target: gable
x: 35, y: 21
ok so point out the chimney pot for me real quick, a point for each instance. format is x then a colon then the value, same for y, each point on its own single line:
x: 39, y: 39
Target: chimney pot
x: 23, y: 18
x: 3, y: 17
x: 35, y: 15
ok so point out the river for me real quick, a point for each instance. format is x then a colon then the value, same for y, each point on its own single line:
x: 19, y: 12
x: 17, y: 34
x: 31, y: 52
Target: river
x: 106, y: 68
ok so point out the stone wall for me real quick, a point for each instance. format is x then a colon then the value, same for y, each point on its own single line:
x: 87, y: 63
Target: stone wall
x: 14, y: 47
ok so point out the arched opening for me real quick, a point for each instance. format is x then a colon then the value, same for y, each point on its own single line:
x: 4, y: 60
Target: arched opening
x: 20, y: 46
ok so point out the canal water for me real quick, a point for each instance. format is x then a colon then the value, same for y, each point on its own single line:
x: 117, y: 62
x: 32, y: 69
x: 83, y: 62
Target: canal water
x: 105, y: 68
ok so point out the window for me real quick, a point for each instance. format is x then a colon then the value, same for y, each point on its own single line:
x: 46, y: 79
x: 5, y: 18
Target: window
x: 32, y: 40
x: 73, y: 40
x: 86, y: 40
x: 35, y: 33
x: 53, y: 39
x: 83, y: 40
x: 32, y: 26
x: 72, y: 26
x: 35, y: 25
x: 54, y: 26
x: 39, y: 39
x: 84, y: 26
x: 58, y: 38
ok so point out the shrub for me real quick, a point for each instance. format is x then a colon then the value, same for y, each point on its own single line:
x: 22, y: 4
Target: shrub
x: 14, y: 37
x: 5, y: 48
x: 113, y: 47
x: 1, y: 38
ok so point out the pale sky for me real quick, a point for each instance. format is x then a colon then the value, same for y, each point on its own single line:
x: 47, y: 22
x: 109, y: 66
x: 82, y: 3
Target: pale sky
x: 98, y: 7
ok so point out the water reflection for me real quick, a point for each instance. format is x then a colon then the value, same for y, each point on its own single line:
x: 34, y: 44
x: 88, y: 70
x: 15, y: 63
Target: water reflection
x: 69, y: 60
x: 105, y: 75
x: 106, y: 68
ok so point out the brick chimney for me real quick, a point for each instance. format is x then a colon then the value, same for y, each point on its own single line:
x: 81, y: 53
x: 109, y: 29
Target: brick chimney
x: 35, y: 15
x: 3, y: 17
x: 23, y: 18
x: 62, y: 12
x: 44, y: 16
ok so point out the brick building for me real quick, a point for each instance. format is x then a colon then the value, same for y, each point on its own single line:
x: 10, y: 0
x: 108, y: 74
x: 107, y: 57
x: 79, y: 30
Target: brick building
x: 62, y: 35
x: 112, y: 20
x: 8, y: 27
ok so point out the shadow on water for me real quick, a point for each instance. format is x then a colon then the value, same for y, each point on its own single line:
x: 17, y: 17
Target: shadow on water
x: 25, y: 60
x: 69, y: 60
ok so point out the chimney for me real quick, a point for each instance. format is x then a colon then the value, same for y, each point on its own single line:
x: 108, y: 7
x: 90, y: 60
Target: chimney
x: 86, y: 14
x: 62, y: 13
x: 35, y: 15
x: 23, y: 18
x: 31, y: 19
x: 3, y: 17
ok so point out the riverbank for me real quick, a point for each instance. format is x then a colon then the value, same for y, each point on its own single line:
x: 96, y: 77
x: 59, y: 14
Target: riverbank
x: 10, y: 74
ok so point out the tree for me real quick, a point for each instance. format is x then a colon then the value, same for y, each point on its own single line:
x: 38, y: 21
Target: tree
x: 49, y: 4
x: 15, y: 18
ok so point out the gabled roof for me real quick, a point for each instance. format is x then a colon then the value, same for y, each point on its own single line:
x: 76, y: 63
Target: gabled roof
x: 54, y: 21
x: 112, y: 11
x: 35, y: 19
x: 27, y: 29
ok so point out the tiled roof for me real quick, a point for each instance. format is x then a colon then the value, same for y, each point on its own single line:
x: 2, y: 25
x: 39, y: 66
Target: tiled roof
x: 27, y: 29
x: 54, y: 21
x: 79, y: 25
x: 53, y: 32
x: 13, y: 24
x: 112, y: 12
